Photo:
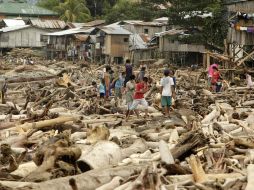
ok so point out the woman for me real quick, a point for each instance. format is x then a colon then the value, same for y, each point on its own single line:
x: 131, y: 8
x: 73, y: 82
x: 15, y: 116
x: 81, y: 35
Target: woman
x: 130, y: 88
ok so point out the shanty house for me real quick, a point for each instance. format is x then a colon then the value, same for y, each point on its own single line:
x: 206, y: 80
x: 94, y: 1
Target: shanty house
x: 175, y: 51
x: 20, y: 8
x: 11, y: 22
x: 71, y: 44
x: 148, y: 28
x: 240, y: 37
x: 114, y: 43
x: 21, y: 37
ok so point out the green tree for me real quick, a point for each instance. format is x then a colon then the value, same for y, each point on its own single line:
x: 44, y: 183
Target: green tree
x: 188, y: 15
x: 48, y: 4
x: 73, y: 11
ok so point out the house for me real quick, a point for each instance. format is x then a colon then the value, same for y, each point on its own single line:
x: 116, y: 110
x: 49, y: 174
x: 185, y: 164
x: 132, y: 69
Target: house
x: 51, y: 25
x: 25, y: 36
x: 113, y: 43
x: 177, y: 52
x: 87, y: 25
x: 20, y: 8
x: 148, y: 28
x: 241, y: 31
x: 71, y: 44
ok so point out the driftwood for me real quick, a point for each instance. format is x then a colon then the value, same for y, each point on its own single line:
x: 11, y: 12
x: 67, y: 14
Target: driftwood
x: 197, y: 170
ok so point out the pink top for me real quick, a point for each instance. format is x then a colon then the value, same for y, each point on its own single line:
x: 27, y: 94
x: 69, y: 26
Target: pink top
x: 210, y: 70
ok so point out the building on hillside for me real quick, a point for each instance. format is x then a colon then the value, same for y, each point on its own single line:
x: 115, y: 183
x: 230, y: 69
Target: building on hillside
x: 21, y: 37
x: 240, y: 39
x: 20, y: 8
x: 177, y: 52
x: 51, y: 25
x: 113, y: 44
x: 147, y: 28
x: 161, y: 20
x: 73, y: 44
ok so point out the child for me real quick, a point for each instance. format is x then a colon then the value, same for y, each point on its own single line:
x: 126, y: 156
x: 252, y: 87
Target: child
x: 218, y: 85
x: 102, y: 88
x: 119, y: 85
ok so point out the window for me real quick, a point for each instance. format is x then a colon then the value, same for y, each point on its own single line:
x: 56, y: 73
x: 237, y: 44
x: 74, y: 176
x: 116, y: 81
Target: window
x: 146, y: 31
x: 126, y: 39
x: 44, y: 38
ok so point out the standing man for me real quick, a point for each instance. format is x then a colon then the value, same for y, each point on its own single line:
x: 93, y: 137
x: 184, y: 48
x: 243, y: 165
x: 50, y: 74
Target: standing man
x: 3, y: 89
x: 167, y: 91
x: 140, y: 89
x: 128, y: 71
x: 107, y: 80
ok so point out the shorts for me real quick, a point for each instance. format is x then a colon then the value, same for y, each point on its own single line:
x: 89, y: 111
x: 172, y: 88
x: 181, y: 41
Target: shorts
x: 209, y: 81
x: 137, y: 102
x: 129, y: 105
x: 166, y: 101
x: 102, y: 95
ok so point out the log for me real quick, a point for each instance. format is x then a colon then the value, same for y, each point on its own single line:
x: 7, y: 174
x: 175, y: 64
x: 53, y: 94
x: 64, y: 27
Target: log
x: 250, y: 176
x: 89, y: 180
x: 197, y: 169
x: 165, y: 153
x: 45, y: 123
x: 100, y: 155
x: 208, y: 118
x: 24, y: 169
x: 115, y: 182
x: 139, y: 146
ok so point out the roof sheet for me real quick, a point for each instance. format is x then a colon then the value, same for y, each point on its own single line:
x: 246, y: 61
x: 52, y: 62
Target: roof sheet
x: 49, y: 24
x: 12, y: 28
x: 71, y: 31
x: 15, y: 8
x: 115, y: 30
x: 137, y: 42
x: 170, y: 32
x: 13, y: 22
x: 95, y: 23
x: 149, y: 24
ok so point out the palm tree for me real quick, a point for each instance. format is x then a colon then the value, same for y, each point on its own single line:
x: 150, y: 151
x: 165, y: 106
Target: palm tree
x: 73, y: 11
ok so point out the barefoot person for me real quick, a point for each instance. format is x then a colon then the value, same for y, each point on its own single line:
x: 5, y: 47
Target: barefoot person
x: 167, y: 92
x: 140, y: 89
x: 130, y: 88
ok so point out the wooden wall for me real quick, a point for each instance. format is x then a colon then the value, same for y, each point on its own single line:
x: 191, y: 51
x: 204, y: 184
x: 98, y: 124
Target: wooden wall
x: 166, y: 45
x: 115, y: 46
x: 245, y: 7
x: 27, y: 37
x: 240, y: 37
x: 139, y: 29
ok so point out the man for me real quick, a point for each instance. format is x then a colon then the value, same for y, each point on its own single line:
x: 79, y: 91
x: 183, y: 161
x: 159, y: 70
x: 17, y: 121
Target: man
x: 140, y: 89
x: 107, y: 80
x: 128, y: 71
x: 167, y: 92
x: 3, y: 89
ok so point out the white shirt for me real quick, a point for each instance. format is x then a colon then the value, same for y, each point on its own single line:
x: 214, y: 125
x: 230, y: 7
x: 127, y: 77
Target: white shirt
x: 167, y: 83
x: 249, y: 81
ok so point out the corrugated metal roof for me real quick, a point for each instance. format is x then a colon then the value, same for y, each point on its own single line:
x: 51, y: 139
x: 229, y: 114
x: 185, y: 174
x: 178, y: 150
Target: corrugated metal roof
x: 13, y: 22
x: 170, y: 32
x: 149, y: 24
x: 137, y: 42
x: 82, y: 37
x: 115, y: 30
x: 71, y: 31
x: 95, y: 23
x: 17, y: 8
x: 12, y: 28
x: 48, y: 24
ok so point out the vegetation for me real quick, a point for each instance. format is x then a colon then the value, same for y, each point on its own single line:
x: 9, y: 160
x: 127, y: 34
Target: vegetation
x: 207, y: 30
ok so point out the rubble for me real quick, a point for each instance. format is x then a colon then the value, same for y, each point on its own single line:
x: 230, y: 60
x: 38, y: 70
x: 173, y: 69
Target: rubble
x: 55, y: 134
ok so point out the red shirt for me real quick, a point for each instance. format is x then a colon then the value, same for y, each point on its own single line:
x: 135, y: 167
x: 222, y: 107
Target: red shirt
x: 216, y: 76
x: 138, y: 94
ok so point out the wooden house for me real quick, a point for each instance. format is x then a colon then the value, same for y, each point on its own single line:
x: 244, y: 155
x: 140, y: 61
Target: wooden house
x: 148, y: 28
x: 240, y: 38
x: 176, y: 52
x: 70, y: 44
x: 113, y: 43
x: 22, y: 37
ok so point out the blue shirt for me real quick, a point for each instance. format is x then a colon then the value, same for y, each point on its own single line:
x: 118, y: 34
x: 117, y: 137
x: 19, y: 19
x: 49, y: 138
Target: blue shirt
x: 102, y: 88
x: 119, y: 83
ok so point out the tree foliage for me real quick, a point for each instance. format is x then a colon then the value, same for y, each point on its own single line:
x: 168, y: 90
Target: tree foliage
x: 210, y: 30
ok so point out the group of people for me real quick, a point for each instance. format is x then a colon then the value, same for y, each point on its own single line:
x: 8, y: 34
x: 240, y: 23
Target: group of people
x: 134, y: 87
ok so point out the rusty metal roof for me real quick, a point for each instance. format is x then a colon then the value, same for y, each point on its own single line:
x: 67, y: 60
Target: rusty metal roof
x: 48, y: 24
x: 115, y: 31
x: 82, y: 37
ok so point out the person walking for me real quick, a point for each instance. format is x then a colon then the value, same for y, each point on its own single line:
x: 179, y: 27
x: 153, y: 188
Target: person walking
x: 140, y: 89
x: 128, y: 71
x: 167, y: 91
x: 130, y: 88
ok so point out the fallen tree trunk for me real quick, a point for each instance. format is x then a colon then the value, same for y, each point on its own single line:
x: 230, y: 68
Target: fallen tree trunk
x: 250, y: 184
x: 45, y: 123
x: 89, y: 180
